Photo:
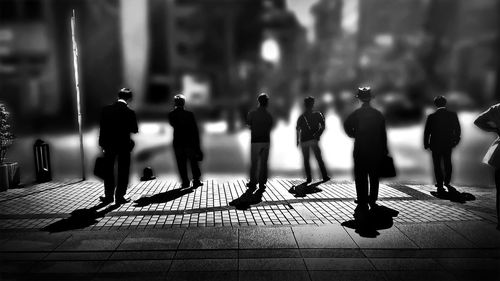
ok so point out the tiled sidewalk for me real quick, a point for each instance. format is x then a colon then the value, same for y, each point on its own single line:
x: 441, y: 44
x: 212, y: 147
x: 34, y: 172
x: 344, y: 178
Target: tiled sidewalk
x: 171, y: 234
x: 168, y: 206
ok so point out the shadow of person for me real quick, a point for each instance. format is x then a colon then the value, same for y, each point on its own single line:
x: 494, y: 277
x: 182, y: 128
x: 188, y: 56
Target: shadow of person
x: 367, y: 223
x: 303, y: 189
x: 454, y: 196
x: 162, y: 197
x: 80, y: 218
x: 247, y: 199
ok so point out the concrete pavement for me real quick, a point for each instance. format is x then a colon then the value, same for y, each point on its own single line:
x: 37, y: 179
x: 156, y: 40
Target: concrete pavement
x: 171, y: 234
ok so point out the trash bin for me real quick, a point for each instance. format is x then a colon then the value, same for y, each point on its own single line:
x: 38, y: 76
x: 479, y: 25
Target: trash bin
x: 43, y: 171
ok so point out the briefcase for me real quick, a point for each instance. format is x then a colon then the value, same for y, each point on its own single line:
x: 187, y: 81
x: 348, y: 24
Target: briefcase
x: 100, y: 167
x: 387, y: 168
x: 492, y: 156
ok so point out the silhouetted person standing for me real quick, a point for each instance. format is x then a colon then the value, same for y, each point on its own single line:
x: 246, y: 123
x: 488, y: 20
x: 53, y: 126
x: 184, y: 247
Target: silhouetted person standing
x: 441, y: 135
x: 310, y: 127
x: 186, y: 142
x: 117, y: 122
x: 260, y: 123
x: 489, y: 121
x: 367, y: 126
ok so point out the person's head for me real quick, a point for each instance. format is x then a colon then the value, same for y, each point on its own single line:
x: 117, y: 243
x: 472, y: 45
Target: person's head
x: 309, y: 103
x: 364, y: 94
x: 263, y: 100
x: 125, y: 94
x: 179, y: 100
x: 440, y: 101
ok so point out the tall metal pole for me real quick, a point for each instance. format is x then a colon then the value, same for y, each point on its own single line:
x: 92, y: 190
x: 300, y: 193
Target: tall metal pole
x: 77, y: 86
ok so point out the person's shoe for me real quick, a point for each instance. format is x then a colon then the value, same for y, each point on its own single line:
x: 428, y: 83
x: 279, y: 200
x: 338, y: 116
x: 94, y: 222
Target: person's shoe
x: 185, y: 185
x: 106, y: 200
x: 451, y: 189
x: 373, y: 206
x: 123, y: 200
x: 361, y: 208
x: 327, y: 178
x: 262, y: 186
x: 308, y: 180
x: 197, y: 183
x: 251, y: 185
x: 440, y: 189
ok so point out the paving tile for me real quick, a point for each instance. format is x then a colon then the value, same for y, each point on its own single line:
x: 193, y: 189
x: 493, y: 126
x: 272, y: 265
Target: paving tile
x: 338, y: 264
x: 34, y: 242
x: 332, y: 253
x: 273, y: 276
x: 206, y: 254
x: 358, y: 275
x: 405, y: 264
x: 136, y: 266
x: 388, y: 238
x: 268, y: 238
x: 210, y: 238
x: 92, y: 241
x: 202, y: 276
x: 476, y: 275
x: 470, y: 264
x: 204, y: 265
x: 333, y: 236
x: 481, y: 234
x: 78, y: 256
x: 272, y: 264
x: 152, y: 240
x: 268, y: 253
x: 22, y: 256
x: 67, y: 267
x: 435, y: 235
x: 142, y: 255
x: 419, y: 275
x: 16, y: 266
x: 129, y: 276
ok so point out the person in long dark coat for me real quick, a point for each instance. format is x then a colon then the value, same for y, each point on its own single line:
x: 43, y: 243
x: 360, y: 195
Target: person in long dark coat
x: 186, y: 143
x: 117, y: 122
x: 367, y: 126
x: 441, y: 135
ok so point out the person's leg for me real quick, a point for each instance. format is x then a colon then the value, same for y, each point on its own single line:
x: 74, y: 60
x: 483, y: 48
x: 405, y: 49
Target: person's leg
x: 447, y: 167
x: 361, y: 181
x: 264, y: 156
x: 319, y: 158
x: 123, y: 174
x: 109, y: 180
x: 374, y: 187
x: 254, y: 157
x: 436, y: 160
x: 195, y: 168
x: 307, y: 166
x: 181, y: 158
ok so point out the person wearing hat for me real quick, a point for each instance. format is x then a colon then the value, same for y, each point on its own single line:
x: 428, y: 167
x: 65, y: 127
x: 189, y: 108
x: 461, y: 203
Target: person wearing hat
x: 367, y: 126
x: 186, y: 142
x: 260, y: 123
x: 117, y: 122
x: 441, y: 135
x: 310, y: 127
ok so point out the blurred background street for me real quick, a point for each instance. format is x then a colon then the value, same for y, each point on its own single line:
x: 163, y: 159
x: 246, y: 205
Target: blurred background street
x: 221, y: 54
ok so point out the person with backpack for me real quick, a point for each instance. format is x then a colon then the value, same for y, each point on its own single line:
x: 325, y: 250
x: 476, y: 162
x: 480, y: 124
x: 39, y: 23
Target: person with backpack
x: 310, y: 127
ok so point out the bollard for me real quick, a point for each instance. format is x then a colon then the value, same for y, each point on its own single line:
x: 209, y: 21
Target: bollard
x: 43, y: 171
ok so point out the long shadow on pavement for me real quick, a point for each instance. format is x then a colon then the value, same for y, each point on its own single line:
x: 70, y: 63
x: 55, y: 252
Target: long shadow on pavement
x: 367, y: 224
x: 162, y: 197
x: 80, y: 218
x: 303, y: 189
x: 247, y: 199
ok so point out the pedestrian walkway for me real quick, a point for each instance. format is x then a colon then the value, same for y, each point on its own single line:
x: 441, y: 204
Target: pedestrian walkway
x: 163, y: 204
x: 171, y: 234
